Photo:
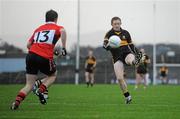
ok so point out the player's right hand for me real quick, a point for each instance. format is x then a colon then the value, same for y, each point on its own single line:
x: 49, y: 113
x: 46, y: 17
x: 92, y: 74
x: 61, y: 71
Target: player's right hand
x: 106, y: 45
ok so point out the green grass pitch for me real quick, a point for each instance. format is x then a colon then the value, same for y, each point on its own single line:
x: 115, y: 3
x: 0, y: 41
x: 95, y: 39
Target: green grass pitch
x: 99, y: 102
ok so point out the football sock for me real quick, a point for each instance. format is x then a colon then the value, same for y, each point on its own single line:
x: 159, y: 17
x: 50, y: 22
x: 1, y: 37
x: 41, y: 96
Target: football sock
x: 87, y: 84
x: 126, y: 94
x: 92, y: 84
x: 38, y: 82
x: 20, y: 97
x: 42, y: 88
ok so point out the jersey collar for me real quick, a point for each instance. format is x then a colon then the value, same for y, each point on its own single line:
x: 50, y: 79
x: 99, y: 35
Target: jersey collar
x: 50, y: 22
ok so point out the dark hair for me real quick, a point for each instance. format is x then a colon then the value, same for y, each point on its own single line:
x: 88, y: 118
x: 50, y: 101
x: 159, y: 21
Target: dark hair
x: 51, y: 15
x: 115, y: 18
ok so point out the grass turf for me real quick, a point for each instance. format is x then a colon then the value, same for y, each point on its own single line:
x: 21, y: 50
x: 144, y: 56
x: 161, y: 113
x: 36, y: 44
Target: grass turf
x: 99, y: 102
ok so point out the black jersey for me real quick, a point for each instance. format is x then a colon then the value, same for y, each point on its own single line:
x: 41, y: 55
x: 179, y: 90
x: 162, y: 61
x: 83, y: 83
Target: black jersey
x: 143, y: 67
x: 90, y: 62
x: 123, y: 35
x: 121, y: 52
x: 163, y: 71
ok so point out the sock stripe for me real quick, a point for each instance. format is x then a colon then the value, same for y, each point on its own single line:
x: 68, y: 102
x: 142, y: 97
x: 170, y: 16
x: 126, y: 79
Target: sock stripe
x: 42, y: 88
x: 39, y: 82
x: 18, y: 101
x: 20, y: 97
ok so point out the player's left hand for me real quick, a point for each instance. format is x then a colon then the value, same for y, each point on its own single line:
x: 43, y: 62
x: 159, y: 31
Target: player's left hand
x: 56, y: 53
x: 64, y: 52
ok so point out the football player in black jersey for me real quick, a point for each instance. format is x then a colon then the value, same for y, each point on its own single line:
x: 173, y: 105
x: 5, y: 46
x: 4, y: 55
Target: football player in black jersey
x: 142, y: 70
x: 90, y: 65
x: 127, y: 53
x: 163, y: 74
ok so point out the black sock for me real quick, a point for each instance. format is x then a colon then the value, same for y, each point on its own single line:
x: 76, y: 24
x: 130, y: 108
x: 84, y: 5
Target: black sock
x: 91, y: 84
x: 87, y: 84
x: 126, y: 94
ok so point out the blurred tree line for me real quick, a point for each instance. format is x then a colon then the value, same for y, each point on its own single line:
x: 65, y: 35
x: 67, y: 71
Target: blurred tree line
x: 10, y: 51
x: 104, y: 71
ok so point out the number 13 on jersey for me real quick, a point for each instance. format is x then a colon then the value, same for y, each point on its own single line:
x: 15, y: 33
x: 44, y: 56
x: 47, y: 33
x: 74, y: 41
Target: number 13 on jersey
x: 44, y: 36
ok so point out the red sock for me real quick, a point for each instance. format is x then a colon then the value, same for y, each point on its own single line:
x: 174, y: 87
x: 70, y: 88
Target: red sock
x: 20, y: 97
x: 42, y: 88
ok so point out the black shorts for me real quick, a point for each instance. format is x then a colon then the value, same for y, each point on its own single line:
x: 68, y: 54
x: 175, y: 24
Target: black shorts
x: 141, y: 70
x: 89, y: 70
x: 120, y: 53
x: 163, y: 74
x: 36, y: 63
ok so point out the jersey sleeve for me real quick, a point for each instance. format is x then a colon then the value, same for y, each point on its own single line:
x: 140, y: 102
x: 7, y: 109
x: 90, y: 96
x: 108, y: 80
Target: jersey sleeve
x: 147, y: 57
x: 58, y: 33
x: 86, y: 59
x: 128, y: 37
x: 60, y: 28
x: 94, y: 59
x: 107, y: 35
x: 31, y: 39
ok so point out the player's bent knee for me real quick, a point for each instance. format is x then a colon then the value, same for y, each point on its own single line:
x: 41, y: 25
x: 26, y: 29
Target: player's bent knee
x: 53, y: 74
x: 120, y: 76
x: 129, y: 59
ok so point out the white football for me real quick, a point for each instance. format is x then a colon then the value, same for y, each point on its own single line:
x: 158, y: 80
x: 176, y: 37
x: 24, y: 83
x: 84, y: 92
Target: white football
x: 114, y: 41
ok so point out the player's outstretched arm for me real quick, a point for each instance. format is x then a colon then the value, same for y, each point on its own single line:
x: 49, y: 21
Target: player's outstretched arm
x: 85, y: 65
x: 63, y: 37
x: 95, y: 64
x: 63, y: 40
